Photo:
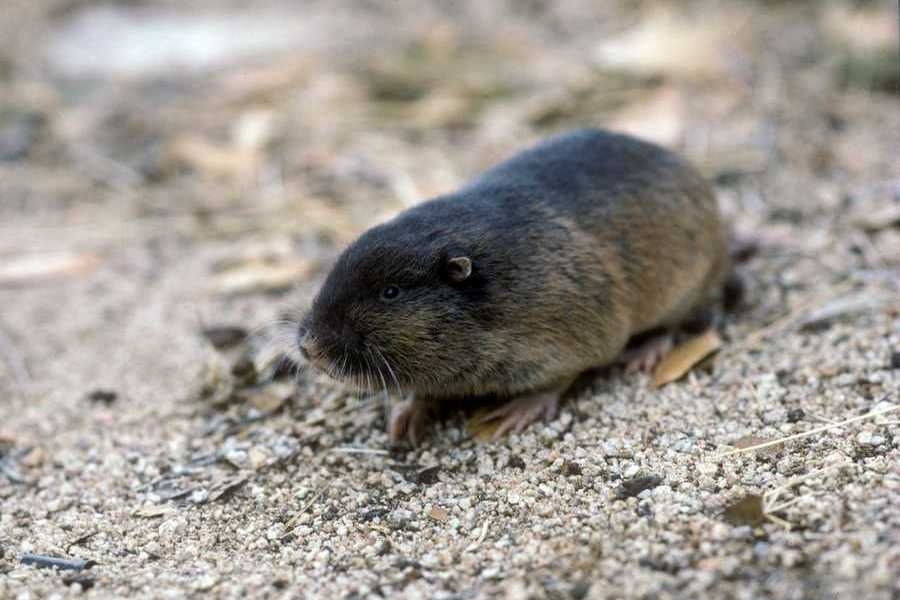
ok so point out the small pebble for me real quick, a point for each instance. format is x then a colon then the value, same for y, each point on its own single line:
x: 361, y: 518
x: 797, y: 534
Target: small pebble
x: 101, y: 396
x: 795, y: 414
x: 224, y: 336
x: 868, y: 438
x: 635, y: 486
x: 895, y: 360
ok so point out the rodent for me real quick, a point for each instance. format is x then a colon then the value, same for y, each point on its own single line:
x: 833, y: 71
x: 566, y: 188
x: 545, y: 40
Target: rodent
x: 539, y: 269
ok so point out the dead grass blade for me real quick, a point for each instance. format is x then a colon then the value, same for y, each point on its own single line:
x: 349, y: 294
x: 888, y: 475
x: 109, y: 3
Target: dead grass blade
x: 769, y: 444
x: 684, y: 356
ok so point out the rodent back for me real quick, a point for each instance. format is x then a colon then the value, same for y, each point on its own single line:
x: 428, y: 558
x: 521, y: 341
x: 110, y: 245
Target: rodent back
x: 596, y: 236
x: 643, y: 224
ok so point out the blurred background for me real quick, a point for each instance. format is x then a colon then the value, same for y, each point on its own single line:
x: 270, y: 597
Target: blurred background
x: 168, y: 164
x: 164, y: 164
x: 175, y: 175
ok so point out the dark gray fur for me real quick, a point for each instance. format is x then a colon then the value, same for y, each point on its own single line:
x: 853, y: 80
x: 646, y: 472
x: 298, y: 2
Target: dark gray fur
x: 576, y: 244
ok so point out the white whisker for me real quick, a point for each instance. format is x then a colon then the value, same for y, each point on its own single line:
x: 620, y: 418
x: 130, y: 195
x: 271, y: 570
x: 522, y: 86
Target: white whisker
x: 387, y: 399
x: 390, y: 370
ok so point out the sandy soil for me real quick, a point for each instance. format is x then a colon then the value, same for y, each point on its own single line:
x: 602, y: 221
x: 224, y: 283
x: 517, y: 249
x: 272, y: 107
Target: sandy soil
x: 152, y: 188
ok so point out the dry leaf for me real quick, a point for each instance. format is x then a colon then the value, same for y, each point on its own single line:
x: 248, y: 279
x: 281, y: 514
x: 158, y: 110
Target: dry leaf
x: 253, y: 82
x: 206, y: 583
x: 875, y: 220
x: 842, y: 307
x: 748, y: 441
x: 861, y: 29
x: 684, y: 356
x: 323, y: 217
x: 439, y: 514
x: 225, y: 488
x: 729, y: 159
x: 480, y: 430
x: 659, y: 118
x: 213, y: 159
x: 217, y: 384
x: 153, y: 512
x: 746, y: 511
x: 257, y: 457
x: 34, y: 458
x: 670, y: 44
x: 253, y: 131
x: 224, y: 336
x: 42, y: 267
x: 262, y: 276
x: 441, y: 109
x: 634, y: 486
x: 270, y: 398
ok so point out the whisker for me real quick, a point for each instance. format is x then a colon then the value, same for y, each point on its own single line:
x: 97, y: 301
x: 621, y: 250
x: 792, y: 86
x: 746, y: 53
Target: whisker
x: 387, y: 398
x: 369, y: 371
x: 297, y: 371
x: 274, y: 345
x: 342, y: 371
x: 358, y: 380
x: 390, y: 370
x: 271, y: 330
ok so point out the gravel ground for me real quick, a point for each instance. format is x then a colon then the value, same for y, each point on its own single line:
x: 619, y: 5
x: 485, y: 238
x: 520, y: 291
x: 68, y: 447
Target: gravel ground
x: 150, y: 199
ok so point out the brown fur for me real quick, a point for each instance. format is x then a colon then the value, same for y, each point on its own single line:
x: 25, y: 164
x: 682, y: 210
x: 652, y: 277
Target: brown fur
x: 576, y: 246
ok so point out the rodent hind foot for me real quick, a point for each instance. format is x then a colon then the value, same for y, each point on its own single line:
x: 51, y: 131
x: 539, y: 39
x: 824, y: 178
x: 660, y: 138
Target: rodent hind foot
x: 520, y: 412
x: 646, y: 356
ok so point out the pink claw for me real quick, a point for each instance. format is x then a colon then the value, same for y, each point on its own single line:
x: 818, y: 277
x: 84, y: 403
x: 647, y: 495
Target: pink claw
x: 408, y: 419
x: 645, y: 357
x: 519, y: 413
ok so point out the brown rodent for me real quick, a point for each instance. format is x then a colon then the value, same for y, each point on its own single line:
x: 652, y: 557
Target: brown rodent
x: 541, y: 268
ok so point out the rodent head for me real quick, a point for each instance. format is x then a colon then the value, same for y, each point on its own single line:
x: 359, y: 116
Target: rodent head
x: 392, y: 309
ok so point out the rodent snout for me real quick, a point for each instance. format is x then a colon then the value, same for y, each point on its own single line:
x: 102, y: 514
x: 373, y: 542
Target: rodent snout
x: 315, y: 348
x: 326, y: 344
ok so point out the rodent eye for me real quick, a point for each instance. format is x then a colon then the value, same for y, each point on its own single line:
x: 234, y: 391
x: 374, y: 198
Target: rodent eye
x: 390, y: 292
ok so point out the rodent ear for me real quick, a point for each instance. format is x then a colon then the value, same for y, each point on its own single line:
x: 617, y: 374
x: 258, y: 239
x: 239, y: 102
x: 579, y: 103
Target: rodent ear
x: 459, y: 268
